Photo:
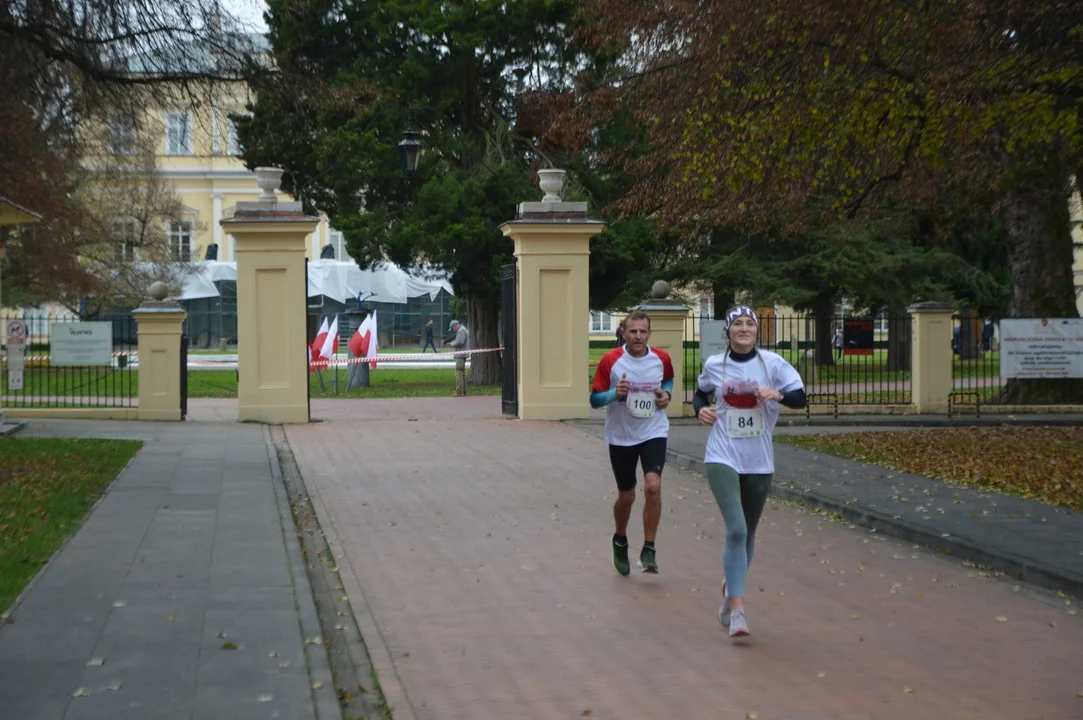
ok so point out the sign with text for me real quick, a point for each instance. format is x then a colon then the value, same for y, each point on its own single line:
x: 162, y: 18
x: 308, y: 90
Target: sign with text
x: 1041, y: 348
x: 712, y: 339
x: 16, y: 344
x: 857, y: 337
x: 81, y: 343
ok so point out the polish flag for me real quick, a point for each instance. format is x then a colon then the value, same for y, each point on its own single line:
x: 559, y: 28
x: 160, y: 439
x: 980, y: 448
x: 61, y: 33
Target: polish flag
x: 330, y: 342
x: 314, y: 348
x: 364, y: 342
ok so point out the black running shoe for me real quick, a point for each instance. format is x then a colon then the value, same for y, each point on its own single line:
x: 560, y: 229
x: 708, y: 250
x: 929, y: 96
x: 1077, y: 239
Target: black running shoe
x: 620, y: 557
x: 647, y: 561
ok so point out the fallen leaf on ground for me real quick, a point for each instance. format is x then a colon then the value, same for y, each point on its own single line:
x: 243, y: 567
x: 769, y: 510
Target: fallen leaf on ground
x: 1045, y: 463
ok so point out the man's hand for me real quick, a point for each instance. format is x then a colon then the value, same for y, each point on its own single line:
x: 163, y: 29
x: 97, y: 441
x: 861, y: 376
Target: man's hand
x: 661, y: 399
x: 623, y: 387
x: 769, y: 394
x: 707, y: 415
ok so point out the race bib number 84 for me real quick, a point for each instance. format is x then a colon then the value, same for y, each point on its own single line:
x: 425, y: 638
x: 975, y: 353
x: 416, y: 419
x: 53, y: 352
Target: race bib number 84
x: 744, y: 423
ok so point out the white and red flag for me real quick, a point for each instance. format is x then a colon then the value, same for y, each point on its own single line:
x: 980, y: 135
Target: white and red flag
x: 364, y: 342
x: 330, y: 342
x: 314, y: 348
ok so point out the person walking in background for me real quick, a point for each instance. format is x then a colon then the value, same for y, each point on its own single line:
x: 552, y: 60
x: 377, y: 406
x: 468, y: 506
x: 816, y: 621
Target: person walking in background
x: 987, y: 331
x: 620, y: 333
x: 838, y: 343
x: 750, y: 386
x: 460, y: 342
x: 428, y: 337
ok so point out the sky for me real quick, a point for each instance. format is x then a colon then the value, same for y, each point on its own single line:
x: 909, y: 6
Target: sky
x: 249, y: 12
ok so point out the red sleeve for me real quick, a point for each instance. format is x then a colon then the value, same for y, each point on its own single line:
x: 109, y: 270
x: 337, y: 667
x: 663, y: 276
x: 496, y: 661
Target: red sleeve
x: 605, y: 367
x: 667, y: 364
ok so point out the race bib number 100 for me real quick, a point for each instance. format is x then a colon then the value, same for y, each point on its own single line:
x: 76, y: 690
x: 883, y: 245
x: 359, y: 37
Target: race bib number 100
x: 744, y: 423
x: 641, y: 404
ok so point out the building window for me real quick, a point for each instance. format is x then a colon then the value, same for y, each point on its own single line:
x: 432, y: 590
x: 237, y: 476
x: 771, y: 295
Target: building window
x: 178, y: 133
x: 601, y: 322
x: 180, y: 240
x: 122, y: 135
x: 126, y: 233
x: 233, y: 143
x: 338, y: 242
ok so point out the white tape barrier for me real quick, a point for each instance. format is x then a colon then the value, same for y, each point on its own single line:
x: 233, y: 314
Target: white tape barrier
x: 322, y: 364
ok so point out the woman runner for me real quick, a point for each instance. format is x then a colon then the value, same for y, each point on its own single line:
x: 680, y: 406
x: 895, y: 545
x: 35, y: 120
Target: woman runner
x: 750, y: 385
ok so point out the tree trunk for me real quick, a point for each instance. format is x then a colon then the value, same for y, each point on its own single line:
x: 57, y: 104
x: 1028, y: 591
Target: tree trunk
x: 723, y: 299
x: 823, y: 311
x: 483, y: 323
x: 968, y: 338
x: 1040, y: 249
x: 898, y: 340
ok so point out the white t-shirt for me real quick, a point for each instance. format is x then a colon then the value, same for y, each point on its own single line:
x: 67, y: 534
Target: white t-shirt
x: 727, y: 379
x: 645, y: 374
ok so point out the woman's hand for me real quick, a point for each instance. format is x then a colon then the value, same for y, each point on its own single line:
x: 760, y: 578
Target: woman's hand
x: 707, y: 416
x: 769, y: 394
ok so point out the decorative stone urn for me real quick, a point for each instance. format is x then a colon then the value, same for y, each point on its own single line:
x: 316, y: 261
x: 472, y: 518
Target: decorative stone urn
x: 269, y: 179
x: 552, y: 182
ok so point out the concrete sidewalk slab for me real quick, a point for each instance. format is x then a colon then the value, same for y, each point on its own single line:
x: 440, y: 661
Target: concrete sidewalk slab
x: 176, y: 599
x: 480, y: 548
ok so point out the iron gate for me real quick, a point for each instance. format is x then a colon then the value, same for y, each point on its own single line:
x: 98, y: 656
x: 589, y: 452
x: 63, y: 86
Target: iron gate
x: 510, y: 392
x: 184, y: 376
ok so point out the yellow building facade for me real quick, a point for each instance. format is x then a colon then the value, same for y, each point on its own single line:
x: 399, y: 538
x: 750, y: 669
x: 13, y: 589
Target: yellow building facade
x: 196, y: 150
x: 197, y: 156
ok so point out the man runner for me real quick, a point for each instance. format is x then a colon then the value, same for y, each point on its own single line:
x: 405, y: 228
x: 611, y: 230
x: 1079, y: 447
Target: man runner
x: 634, y: 383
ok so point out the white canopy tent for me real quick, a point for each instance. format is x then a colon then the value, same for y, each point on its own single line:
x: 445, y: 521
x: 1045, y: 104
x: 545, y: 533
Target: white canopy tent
x: 341, y: 281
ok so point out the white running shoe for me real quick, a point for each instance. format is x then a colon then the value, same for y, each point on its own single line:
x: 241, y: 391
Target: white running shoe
x: 738, y: 624
x: 724, y: 608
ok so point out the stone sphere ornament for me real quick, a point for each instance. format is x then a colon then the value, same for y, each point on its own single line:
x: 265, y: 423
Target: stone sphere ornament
x: 158, y: 291
x: 660, y: 289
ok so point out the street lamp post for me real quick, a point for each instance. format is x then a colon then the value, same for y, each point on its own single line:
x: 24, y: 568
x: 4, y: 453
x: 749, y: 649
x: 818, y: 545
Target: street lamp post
x: 409, y: 149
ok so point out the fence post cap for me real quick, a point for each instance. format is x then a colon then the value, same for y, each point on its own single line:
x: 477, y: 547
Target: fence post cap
x: 931, y: 306
x: 158, y: 291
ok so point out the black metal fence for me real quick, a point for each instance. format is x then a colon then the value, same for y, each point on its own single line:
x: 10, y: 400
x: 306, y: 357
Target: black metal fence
x: 975, y: 362
x: 63, y: 376
x: 842, y: 360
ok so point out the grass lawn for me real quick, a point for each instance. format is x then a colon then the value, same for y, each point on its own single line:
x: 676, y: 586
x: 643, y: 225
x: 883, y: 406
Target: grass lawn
x: 1043, y: 463
x: 383, y: 383
x: 46, y: 488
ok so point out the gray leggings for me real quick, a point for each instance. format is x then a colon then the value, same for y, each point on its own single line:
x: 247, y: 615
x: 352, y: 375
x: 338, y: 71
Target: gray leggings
x: 741, y: 498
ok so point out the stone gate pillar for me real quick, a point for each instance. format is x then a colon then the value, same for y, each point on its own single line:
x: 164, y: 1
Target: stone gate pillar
x: 160, y: 324
x: 669, y: 321
x: 552, y: 249
x: 272, y: 348
x: 931, y: 359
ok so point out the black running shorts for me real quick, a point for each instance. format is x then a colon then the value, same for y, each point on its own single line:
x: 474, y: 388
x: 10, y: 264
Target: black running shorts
x: 651, y: 455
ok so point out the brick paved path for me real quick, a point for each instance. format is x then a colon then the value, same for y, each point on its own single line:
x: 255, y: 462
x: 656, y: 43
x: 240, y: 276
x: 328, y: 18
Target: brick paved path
x: 477, y: 552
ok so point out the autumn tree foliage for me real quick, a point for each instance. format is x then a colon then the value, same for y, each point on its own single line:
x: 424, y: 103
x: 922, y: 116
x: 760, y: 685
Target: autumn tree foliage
x: 787, y: 114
